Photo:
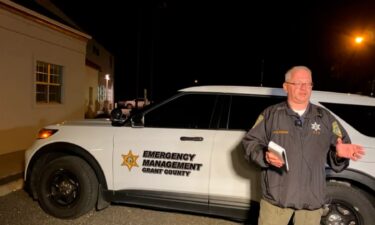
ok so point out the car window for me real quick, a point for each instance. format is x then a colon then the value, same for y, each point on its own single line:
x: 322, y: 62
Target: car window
x: 244, y: 110
x: 358, y: 116
x: 185, y: 111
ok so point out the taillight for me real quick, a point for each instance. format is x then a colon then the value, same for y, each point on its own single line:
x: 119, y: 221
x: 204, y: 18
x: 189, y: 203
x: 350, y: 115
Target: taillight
x: 46, y: 133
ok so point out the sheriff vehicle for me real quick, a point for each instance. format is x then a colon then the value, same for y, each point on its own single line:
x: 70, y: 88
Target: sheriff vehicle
x: 185, y: 153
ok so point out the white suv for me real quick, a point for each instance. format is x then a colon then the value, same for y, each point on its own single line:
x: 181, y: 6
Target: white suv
x: 185, y: 153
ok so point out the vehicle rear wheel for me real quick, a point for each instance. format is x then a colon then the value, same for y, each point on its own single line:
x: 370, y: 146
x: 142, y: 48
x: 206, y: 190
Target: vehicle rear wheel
x: 68, y: 187
x: 347, y: 206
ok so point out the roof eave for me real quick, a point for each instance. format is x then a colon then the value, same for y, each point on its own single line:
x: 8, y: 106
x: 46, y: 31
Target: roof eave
x: 38, y: 18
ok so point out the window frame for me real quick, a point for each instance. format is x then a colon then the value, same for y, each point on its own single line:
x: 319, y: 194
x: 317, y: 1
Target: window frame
x: 49, y: 76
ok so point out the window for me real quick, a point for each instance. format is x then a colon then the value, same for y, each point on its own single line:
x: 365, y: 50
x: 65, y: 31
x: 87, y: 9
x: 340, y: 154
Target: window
x: 358, y: 116
x: 186, y: 111
x: 245, y: 110
x: 48, y: 83
x: 95, y: 50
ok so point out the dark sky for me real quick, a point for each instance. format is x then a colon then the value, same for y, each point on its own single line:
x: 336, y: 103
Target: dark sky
x: 165, y: 45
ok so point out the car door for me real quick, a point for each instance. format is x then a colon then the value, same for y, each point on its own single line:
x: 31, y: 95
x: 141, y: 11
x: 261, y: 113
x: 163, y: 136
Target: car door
x: 171, y: 152
x: 234, y: 181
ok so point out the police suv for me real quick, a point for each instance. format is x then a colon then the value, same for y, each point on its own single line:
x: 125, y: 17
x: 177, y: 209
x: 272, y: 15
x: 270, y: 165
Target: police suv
x: 185, y: 154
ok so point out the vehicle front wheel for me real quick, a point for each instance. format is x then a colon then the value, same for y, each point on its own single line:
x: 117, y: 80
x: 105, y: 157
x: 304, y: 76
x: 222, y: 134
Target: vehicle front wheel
x: 347, y: 206
x: 68, y: 187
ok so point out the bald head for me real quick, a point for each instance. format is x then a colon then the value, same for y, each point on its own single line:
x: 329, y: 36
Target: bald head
x: 298, y: 86
x: 290, y: 72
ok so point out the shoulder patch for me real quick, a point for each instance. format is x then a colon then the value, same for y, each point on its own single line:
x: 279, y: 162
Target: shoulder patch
x: 336, y: 129
x: 260, y: 119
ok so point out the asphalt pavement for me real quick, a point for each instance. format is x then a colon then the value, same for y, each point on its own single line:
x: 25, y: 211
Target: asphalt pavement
x: 18, y: 208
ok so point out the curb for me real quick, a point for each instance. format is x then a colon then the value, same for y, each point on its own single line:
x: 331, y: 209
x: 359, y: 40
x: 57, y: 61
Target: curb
x: 10, y: 184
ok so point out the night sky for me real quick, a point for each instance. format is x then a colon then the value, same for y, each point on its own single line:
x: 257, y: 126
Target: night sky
x: 166, y: 45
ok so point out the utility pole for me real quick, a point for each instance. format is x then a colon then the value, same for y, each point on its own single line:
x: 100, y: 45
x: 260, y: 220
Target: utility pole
x: 261, y: 73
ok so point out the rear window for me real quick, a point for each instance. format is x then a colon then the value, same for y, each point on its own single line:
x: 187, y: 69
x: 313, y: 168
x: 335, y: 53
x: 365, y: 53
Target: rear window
x: 245, y: 110
x: 360, y: 117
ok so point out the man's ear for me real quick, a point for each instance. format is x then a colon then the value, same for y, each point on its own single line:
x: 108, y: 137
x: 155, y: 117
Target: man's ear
x: 284, y: 87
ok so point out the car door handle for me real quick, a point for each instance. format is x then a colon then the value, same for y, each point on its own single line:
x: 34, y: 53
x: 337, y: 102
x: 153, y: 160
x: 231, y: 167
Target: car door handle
x: 191, y: 138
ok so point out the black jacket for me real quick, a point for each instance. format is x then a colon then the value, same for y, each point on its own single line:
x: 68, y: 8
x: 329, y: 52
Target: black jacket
x: 310, y: 143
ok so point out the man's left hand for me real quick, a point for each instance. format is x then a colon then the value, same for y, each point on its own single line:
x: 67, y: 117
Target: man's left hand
x: 349, y: 151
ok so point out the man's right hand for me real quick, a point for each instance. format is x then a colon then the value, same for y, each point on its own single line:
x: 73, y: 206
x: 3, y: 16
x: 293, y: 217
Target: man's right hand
x: 273, y: 160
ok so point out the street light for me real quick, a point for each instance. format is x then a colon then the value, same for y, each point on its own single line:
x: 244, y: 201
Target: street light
x: 358, y: 40
x: 363, y: 41
x: 107, y: 78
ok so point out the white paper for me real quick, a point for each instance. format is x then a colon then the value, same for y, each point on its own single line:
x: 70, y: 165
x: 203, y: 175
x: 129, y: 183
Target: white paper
x: 279, y: 152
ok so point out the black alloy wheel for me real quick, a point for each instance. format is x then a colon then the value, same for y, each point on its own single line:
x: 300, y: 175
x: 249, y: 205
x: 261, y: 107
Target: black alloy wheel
x: 340, y: 213
x: 347, y: 205
x: 68, y: 187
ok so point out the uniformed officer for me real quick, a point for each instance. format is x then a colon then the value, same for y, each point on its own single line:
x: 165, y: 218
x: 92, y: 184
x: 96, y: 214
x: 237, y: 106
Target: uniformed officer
x: 312, y: 138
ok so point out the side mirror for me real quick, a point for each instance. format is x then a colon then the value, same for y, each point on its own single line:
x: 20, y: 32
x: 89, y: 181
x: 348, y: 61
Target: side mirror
x: 117, y: 117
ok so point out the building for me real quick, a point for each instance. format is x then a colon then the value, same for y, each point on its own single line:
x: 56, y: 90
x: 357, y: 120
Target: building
x: 99, y: 80
x: 98, y: 88
x: 43, y: 74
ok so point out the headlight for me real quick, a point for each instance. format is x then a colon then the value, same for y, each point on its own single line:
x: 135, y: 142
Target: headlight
x: 46, y: 133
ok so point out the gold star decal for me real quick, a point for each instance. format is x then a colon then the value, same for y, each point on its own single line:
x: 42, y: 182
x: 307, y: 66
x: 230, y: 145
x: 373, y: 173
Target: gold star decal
x: 130, y: 160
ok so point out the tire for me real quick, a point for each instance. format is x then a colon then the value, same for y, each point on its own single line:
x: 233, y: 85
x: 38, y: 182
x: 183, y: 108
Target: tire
x: 347, y: 206
x: 68, y: 187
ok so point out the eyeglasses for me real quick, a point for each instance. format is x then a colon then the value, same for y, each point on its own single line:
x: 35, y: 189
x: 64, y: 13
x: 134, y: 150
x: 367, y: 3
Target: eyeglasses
x: 300, y: 84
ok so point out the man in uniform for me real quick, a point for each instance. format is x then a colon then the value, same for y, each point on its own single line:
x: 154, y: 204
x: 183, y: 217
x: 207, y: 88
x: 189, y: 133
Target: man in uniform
x: 312, y: 138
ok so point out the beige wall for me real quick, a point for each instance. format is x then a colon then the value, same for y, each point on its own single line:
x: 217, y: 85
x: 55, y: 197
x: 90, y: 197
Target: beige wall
x: 22, y: 43
x: 91, y: 99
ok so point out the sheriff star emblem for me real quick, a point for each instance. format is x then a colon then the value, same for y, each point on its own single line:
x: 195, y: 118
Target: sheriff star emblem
x: 315, y: 126
x: 130, y: 160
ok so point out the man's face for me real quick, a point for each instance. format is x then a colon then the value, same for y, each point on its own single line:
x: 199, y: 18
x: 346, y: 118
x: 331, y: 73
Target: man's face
x: 299, y: 87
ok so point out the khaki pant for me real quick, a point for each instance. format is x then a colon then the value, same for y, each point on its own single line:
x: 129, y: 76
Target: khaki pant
x: 273, y: 215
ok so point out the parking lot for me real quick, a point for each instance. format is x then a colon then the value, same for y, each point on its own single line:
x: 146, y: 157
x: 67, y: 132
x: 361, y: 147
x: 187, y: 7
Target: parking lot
x: 18, y: 208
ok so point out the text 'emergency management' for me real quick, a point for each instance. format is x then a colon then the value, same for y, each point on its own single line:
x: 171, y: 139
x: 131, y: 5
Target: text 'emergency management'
x: 169, y: 163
